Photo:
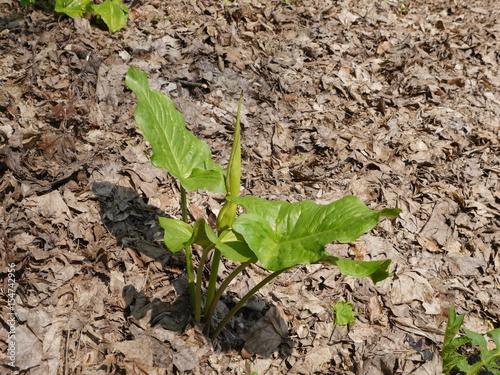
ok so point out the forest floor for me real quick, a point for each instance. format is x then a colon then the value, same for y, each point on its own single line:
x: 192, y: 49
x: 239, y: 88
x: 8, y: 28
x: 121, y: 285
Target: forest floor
x: 396, y: 102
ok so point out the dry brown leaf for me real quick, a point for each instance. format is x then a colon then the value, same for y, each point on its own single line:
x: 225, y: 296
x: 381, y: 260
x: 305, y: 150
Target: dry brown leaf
x: 266, y: 335
x: 429, y: 244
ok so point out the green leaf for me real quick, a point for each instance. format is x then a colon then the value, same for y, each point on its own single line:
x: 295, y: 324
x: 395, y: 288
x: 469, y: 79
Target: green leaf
x: 114, y: 14
x: 234, y: 247
x: 175, y: 148
x: 203, y: 234
x: 231, y: 245
x: 453, y: 325
x: 495, y: 336
x: 26, y: 3
x: 476, y: 338
x: 377, y: 269
x: 73, y: 8
x: 488, y: 358
x: 344, y: 314
x: 390, y: 212
x: 450, y: 344
x: 451, y: 358
x: 177, y: 234
x: 282, y: 234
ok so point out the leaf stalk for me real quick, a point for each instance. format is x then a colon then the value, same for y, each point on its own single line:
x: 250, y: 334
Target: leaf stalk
x: 189, y: 259
x: 212, y: 281
x: 244, y: 300
x: 211, y: 307
x: 199, y: 282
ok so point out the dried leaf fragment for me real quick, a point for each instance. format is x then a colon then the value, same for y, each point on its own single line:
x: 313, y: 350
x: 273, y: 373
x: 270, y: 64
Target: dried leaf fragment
x: 266, y: 335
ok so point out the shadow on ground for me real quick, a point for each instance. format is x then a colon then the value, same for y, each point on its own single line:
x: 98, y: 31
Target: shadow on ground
x: 135, y: 225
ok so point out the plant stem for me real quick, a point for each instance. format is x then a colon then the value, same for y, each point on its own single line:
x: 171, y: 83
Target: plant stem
x: 211, y: 308
x: 184, y: 205
x: 199, y: 278
x: 190, y: 274
x: 189, y: 259
x: 242, y: 302
x: 212, y: 282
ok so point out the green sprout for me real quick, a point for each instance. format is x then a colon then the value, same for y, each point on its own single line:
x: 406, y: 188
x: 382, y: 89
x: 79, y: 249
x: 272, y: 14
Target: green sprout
x: 484, y: 360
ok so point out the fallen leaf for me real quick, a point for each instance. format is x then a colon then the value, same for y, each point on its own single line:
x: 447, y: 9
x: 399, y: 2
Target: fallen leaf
x: 429, y: 244
x: 266, y: 335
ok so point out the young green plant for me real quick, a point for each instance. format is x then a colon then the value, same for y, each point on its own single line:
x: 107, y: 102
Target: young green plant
x: 112, y: 12
x: 344, y: 315
x: 277, y: 235
x: 485, y: 359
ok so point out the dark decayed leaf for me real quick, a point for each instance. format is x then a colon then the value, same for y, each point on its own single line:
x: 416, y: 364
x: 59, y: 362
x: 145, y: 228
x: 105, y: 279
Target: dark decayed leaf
x: 266, y: 335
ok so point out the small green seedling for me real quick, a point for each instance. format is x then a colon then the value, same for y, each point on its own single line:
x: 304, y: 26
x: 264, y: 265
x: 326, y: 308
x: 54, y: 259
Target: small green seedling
x: 344, y: 314
x: 488, y: 360
x: 276, y: 234
x: 113, y: 12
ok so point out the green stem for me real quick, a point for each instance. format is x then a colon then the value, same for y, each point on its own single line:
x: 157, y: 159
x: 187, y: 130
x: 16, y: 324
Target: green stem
x: 190, y: 274
x: 242, y: 302
x: 211, y: 308
x: 184, y: 205
x: 189, y: 259
x: 212, y: 282
x: 199, y: 279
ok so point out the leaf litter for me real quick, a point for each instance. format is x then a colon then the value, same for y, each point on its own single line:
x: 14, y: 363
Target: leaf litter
x: 397, y: 105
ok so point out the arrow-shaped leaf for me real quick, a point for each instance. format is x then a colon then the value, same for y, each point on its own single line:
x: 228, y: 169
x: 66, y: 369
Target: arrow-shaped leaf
x: 175, y: 148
